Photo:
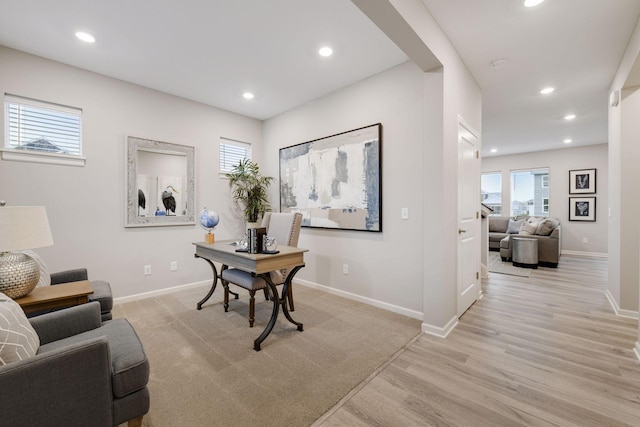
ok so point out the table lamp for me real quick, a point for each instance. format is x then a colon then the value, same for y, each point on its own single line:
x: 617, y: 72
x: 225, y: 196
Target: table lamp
x: 21, y: 227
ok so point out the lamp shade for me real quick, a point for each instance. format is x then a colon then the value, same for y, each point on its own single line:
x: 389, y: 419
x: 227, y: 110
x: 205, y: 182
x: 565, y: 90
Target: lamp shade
x: 24, y: 227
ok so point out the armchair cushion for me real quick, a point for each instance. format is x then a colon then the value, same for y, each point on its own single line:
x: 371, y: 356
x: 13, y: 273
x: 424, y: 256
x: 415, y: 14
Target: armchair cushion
x: 18, y: 339
x: 65, y: 323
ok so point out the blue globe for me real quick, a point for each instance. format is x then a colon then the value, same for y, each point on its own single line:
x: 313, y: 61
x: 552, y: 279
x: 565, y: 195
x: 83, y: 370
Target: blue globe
x: 208, y: 219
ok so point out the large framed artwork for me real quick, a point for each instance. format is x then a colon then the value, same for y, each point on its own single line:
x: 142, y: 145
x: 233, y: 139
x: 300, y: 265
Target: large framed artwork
x: 582, y: 209
x: 582, y: 181
x: 336, y: 181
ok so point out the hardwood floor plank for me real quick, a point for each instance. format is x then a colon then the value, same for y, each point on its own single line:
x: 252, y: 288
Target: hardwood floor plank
x: 546, y: 350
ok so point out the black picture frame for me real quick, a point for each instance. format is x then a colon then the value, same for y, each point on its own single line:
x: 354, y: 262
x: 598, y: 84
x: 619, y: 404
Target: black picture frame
x: 335, y: 182
x: 582, y: 181
x: 582, y: 209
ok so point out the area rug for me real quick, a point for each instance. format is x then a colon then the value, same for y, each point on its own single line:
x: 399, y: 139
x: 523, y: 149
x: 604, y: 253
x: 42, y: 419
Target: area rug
x: 204, y: 371
x: 496, y: 265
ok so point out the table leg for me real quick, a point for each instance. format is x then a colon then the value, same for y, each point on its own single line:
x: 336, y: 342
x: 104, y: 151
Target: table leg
x: 285, y: 294
x: 272, y: 321
x: 213, y: 285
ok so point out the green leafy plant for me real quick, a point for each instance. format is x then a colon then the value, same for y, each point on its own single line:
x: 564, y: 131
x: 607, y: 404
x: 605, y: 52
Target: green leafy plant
x: 249, y: 189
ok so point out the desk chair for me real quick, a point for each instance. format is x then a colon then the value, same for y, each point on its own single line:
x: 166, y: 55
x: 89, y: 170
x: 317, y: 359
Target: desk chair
x: 285, y: 227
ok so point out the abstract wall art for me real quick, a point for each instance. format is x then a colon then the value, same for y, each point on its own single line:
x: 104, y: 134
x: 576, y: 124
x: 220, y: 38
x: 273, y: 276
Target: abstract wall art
x: 335, y: 181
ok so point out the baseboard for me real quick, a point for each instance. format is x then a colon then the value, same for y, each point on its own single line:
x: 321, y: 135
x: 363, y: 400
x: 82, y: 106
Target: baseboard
x: 385, y: 306
x: 585, y: 254
x: 164, y: 291
x: 619, y: 311
x: 636, y: 350
x: 440, y: 332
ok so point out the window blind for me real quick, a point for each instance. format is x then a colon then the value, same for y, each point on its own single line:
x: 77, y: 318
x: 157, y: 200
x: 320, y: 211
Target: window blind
x: 231, y: 152
x: 42, y: 127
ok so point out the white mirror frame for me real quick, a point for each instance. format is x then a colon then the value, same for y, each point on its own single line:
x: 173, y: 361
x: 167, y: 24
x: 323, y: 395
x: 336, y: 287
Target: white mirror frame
x: 134, y: 146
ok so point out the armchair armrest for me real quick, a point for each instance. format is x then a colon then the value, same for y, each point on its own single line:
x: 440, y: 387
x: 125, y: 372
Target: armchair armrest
x: 58, y: 387
x: 69, y: 276
x: 67, y: 322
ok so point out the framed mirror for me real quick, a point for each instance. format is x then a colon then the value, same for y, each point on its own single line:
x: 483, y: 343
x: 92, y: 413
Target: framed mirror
x: 160, y: 183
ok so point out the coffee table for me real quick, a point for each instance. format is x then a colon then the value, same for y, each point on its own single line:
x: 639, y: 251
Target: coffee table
x: 56, y: 296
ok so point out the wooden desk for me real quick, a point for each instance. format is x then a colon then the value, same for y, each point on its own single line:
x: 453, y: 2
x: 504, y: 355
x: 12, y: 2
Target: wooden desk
x: 261, y: 264
x: 56, y: 296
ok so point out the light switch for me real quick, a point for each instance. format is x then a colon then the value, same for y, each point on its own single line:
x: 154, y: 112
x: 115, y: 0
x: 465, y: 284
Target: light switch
x: 404, y: 213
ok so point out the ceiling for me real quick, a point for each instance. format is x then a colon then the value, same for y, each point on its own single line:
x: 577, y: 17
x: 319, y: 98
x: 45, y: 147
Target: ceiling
x: 213, y: 51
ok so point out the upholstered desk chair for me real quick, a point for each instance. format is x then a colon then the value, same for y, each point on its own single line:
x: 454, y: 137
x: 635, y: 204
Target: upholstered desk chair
x: 285, y: 227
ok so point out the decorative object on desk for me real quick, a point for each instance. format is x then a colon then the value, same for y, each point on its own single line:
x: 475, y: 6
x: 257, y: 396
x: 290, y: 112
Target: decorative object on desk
x: 582, y: 181
x: 256, y: 237
x: 21, y: 227
x: 270, y: 245
x: 582, y: 209
x: 208, y: 221
x: 249, y: 189
x: 335, y: 182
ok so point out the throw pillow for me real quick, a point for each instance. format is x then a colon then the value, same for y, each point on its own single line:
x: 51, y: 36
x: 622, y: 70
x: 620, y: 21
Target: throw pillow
x: 45, y: 277
x: 546, y: 227
x: 18, y: 339
x: 528, y: 228
x: 514, y: 226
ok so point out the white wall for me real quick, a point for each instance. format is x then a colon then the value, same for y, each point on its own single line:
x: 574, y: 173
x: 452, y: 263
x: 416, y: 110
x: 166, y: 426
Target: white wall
x: 560, y: 162
x: 86, y: 204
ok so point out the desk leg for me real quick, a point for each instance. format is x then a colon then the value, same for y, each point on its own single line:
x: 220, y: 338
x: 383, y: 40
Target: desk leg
x: 213, y: 285
x: 285, y: 294
x: 274, y: 317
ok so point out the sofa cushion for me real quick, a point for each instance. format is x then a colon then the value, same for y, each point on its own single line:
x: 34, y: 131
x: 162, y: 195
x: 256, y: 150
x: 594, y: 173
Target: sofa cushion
x: 128, y: 360
x: 498, y: 224
x: 546, y: 227
x: 514, y: 226
x: 18, y: 339
x: 528, y: 228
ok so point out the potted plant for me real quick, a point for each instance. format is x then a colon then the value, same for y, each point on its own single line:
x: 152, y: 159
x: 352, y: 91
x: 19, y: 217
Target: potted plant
x: 249, y: 189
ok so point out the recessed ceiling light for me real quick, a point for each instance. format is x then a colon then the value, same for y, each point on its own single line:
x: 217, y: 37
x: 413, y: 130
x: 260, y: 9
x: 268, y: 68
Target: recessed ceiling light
x: 547, y: 90
x: 494, y: 150
x: 568, y: 141
x: 531, y: 3
x: 570, y: 117
x: 85, y: 37
x: 248, y: 95
x: 325, y: 51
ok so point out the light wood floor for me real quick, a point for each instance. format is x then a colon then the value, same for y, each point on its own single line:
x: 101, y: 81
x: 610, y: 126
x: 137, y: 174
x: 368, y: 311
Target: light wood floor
x: 543, y: 351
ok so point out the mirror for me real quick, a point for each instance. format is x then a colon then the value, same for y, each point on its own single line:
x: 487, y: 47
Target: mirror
x: 160, y: 183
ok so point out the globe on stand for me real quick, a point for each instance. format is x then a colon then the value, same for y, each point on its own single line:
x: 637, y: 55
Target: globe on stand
x: 208, y: 220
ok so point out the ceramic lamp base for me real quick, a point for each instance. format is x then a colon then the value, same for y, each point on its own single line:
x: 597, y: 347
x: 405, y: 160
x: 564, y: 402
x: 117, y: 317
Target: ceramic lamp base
x: 19, y: 274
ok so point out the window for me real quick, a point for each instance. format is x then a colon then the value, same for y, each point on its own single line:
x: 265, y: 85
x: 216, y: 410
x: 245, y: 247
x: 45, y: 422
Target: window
x: 529, y: 189
x: 491, y: 190
x: 41, y: 129
x: 231, y: 152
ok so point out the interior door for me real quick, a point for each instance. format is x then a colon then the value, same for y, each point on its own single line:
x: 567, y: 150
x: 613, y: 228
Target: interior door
x: 468, y: 218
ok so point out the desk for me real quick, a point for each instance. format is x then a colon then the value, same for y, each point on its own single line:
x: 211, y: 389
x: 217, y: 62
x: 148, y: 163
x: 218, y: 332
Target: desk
x: 56, y: 296
x: 261, y: 264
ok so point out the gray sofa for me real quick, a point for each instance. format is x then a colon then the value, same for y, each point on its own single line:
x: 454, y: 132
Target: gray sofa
x: 85, y: 373
x: 549, y: 238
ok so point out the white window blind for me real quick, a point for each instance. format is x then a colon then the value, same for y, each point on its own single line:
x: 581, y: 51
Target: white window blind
x: 43, y: 127
x: 231, y: 152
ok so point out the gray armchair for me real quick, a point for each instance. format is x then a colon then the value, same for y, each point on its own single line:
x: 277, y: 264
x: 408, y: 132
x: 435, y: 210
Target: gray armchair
x: 101, y: 289
x: 85, y: 373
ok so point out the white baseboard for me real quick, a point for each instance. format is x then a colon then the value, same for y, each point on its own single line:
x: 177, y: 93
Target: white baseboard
x: 636, y: 350
x: 385, y: 306
x: 440, y: 332
x: 164, y: 291
x: 619, y: 311
x: 585, y: 254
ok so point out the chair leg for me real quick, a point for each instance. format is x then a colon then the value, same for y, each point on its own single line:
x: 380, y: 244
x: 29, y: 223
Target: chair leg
x: 226, y: 295
x: 252, y: 307
x: 135, y: 422
x: 290, y: 298
x: 266, y: 293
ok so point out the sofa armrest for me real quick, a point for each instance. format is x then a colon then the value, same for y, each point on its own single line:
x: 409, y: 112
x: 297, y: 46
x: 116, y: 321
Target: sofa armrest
x: 67, y: 386
x: 67, y: 322
x: 69, y: 276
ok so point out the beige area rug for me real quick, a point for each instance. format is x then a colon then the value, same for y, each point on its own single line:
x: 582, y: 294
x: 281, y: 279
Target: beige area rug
x: 496, y: 265
x: 204, y: 371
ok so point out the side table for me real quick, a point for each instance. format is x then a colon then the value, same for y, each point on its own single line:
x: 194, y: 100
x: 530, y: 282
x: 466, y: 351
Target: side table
x: 56, y: 296
x: 525, y: 252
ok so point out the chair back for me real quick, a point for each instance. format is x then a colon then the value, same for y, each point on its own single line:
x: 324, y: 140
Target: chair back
x: 285, y: 227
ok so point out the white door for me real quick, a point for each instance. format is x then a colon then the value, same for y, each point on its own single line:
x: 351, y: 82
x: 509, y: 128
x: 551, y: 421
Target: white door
x: 468, y: 218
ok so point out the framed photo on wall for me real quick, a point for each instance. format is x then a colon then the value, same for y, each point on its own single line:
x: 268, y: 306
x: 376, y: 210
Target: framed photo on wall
x: 582, y: 209
x: 582, y: 181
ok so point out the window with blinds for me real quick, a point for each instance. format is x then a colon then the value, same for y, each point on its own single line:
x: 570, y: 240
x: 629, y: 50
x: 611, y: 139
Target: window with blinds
x: 231, y: 152
x: 41, y: 127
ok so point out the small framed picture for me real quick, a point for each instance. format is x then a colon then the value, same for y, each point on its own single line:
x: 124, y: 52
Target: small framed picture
x: 582, y: 181
x: 582, y: 209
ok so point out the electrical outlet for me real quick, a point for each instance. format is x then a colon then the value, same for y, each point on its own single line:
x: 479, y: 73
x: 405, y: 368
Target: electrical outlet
x: 147, y: 270
x: 174, y: 265
x: 345, y: 268
x: 404, y: 213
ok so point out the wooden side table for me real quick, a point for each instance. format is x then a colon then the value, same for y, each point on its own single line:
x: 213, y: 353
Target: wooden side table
x: 56, y: 296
